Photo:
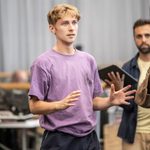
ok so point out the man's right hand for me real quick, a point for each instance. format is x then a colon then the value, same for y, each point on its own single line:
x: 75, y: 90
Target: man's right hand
x: 68, y: 101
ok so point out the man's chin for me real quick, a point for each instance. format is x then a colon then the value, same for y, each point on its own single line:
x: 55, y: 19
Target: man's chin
x: 145, y: 51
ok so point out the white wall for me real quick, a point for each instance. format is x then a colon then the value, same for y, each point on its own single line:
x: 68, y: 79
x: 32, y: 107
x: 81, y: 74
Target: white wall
x: 105, y: 29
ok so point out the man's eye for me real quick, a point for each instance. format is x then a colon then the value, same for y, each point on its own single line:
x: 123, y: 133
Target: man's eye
x: 138, y: 36
x: 65, y: 23
x: 147, y: 35
x: 74, y: 22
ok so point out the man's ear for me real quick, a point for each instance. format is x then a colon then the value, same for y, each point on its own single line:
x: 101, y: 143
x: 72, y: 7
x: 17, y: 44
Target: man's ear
x: 51, y: 28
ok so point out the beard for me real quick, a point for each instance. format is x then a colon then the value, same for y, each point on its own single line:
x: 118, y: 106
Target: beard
x: 144, y: 48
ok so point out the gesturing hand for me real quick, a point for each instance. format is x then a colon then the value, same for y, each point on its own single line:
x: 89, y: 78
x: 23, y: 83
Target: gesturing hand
x: 68, y: 100
x: 121, y: 96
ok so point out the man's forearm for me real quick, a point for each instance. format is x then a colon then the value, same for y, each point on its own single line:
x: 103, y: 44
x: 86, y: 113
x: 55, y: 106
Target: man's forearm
x: 42, y: 107
x: 100, y: 103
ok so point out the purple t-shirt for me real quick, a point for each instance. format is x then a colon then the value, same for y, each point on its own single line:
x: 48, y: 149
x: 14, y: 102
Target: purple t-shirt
x: 54, y: 76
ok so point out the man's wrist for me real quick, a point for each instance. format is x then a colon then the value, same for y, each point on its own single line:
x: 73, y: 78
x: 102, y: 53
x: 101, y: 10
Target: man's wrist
x: 56, y: 106
x: 109, y: 102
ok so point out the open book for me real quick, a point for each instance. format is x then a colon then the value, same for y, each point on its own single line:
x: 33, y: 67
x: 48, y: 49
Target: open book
x: 103, y: 73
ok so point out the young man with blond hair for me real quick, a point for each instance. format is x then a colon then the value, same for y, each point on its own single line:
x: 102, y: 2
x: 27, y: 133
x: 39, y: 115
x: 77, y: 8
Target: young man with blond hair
x: 65, y: 88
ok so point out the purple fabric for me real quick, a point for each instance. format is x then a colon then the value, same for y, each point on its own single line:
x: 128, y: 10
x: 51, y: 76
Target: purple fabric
x: 54, y: 76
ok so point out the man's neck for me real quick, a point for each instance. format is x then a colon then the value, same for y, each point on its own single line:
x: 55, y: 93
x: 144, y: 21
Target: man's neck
x: 64, y: 49
x: 144, y: 57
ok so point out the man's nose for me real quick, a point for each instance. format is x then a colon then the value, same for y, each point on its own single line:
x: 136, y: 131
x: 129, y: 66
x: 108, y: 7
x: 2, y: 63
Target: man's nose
x: 143, y: 38
x: 71, y: 26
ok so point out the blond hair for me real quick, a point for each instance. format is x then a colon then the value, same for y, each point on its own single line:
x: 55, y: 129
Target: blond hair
x: 61, y: 10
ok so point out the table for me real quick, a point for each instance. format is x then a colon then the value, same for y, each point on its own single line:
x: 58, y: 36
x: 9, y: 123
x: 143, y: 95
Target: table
x: 23, y: 125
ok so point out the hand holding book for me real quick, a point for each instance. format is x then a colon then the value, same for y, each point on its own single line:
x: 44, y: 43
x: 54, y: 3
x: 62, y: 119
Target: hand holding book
x: 117, y: 76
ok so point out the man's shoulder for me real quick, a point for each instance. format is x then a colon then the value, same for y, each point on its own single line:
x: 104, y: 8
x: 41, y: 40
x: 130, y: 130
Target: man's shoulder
x: 43, y: 58
x: 130, y: 64
x: 86, y: 55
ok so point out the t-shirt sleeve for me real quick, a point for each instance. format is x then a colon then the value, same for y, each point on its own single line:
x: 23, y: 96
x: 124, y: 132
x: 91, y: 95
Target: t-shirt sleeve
x: 98, y: 90
x: 40, y: 81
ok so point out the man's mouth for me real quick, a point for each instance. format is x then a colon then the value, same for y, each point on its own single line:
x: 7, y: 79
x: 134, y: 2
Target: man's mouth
x: 71, y: 35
